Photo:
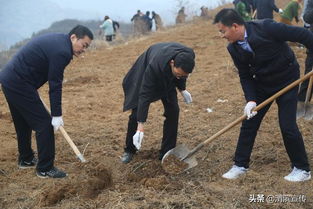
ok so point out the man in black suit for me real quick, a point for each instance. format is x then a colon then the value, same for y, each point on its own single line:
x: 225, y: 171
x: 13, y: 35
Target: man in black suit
x: 41, y: 60
x: 154, y: 76
x: 266, y: 64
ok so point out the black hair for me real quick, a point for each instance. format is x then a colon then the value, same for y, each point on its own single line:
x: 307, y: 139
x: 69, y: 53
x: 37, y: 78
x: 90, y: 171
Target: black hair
x: 186, y: 61
x: 228, y: 17
x: 81, y: 31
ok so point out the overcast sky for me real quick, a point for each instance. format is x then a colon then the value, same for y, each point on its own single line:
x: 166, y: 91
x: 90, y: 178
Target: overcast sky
x: 123, y: 10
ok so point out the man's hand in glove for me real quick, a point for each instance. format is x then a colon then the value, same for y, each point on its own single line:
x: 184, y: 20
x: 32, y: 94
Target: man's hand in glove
x: 56, y: 122
x: 138, y: 137
x: 187, y: 96
x: 248, y: 110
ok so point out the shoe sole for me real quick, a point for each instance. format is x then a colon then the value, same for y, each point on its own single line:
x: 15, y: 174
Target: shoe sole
x: 297, y: 181
x: 25, y: 167
x: 45, y: 177
x: 42, y: 177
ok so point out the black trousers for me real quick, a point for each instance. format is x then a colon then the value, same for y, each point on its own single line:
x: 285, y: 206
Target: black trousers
x: 287, y: 104
x: 29, y: 114
x: 308, y: 68
x: 170, y: 126
x: 108, y: 38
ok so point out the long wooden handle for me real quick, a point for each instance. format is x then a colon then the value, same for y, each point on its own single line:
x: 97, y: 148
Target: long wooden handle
x: 243, y: 117
x: 68, y: 138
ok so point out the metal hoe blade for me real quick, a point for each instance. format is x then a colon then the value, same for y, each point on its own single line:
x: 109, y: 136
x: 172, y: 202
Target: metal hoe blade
x: 181, y: 151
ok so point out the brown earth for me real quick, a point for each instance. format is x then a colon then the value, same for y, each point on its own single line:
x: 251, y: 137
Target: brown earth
x: 92, y: 106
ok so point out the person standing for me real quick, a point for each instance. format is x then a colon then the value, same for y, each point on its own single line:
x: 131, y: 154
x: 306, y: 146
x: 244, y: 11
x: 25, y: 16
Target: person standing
x: 157, y: 20
x: 242, y: 10
x: 147, y: 20
x: 291, y: 11
x: 204, y: 13
x: 41, y: 60
x: 154, y: 76
x: 116, y: 27
x: 266, y: 64
x: 108, y: 29
x: 137, y: 23
x: 265, y: 9
x: 181, y: 16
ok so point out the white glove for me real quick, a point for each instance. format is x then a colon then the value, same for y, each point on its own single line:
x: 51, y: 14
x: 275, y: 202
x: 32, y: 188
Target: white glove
x: 248, y: 110
x: 57, y: 122
x: 137, y: 139
x: 187, y: 96
x: 280, y: 11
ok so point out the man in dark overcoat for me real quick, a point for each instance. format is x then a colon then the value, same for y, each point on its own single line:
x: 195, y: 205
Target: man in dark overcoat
x: 155, y: 76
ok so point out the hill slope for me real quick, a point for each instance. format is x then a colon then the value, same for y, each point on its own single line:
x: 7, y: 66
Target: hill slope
x: 92, y: 104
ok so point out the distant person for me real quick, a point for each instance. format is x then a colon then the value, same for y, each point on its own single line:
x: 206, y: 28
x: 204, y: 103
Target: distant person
x: 41, y: 60
x: 241, y: 8
x: 147, y: 27
x: 181, y: 16
x: 291, y: 12
x: 266, y: 64
x: 108, y: 29
x: 249, y: 5
x: 116, y: 26
x: 204, y: 13
x: 265, y: 9
x: 155, y: 76
x: 137, y: 22
x: 158, y: 21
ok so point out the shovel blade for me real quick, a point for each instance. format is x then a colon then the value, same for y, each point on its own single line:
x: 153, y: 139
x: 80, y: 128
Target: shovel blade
x: 300, y: 110
x: 308, y: 112
x: 180, y: 152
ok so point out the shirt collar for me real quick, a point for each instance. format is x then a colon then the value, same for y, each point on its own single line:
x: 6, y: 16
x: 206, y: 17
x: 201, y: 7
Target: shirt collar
x: 245, y: 38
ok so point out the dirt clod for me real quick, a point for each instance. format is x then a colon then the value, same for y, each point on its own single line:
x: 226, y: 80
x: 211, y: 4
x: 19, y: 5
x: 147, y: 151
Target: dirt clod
x: 171, y: 164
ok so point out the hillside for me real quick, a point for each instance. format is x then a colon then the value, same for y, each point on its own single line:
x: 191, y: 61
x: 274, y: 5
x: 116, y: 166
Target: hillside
x: 92, y: 112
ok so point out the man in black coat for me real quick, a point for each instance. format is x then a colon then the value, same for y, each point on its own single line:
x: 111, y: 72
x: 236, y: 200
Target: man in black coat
x: 266, y: 64
x: 43, y: 59
x: 265, y: 9
x: 154, y: 76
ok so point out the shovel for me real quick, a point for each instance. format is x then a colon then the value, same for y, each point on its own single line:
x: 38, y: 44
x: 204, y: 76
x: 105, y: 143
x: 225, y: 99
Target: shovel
x: 304, y: 109
x: 68, y: 139
x: 182, y: 153
x: 308, y: 108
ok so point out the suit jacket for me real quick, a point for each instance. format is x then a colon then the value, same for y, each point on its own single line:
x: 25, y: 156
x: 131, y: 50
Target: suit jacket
x: 42, y: 59
x: 272, y: 65
x: 151, y: 78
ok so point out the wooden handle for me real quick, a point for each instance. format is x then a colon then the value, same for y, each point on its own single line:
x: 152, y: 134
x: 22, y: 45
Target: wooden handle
x: 243, y: 117
x: 68, y: 138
